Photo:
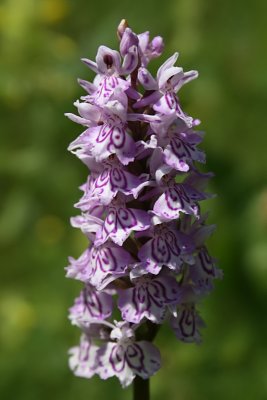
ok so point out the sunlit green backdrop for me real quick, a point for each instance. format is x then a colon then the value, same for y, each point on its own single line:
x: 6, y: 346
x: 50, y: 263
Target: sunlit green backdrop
x: 41, y: 44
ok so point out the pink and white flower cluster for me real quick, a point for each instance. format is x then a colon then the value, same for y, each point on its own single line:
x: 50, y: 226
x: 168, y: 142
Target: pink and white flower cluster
x: 140, y: 212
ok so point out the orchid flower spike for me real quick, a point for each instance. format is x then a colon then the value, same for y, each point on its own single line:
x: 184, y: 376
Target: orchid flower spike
x: 146, y: 257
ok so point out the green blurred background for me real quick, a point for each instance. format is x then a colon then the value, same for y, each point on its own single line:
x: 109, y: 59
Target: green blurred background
x: 41, y: 44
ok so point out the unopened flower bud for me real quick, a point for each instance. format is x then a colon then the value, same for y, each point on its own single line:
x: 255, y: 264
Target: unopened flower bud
x: 121, y: 28
x: 128, y: 40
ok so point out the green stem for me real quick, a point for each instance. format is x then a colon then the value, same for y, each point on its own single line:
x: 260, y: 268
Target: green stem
x: 140, y: 389
x: 147, y: 331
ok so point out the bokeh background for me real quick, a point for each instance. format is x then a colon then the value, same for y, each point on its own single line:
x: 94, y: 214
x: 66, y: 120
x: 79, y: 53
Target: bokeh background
x: 41, y: 44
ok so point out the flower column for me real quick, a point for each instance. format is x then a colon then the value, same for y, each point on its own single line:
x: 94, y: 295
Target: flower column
x: 146, y: 237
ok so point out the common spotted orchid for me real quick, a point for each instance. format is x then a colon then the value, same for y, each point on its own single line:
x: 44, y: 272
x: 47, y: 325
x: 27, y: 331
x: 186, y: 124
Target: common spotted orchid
x: 146, y: 258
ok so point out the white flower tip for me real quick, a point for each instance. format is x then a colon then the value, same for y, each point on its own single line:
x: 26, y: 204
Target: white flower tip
x: 68, y: 115
x: 175, y: 56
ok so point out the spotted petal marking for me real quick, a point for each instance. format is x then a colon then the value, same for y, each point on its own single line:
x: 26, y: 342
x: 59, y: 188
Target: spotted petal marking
x: 120, y: 222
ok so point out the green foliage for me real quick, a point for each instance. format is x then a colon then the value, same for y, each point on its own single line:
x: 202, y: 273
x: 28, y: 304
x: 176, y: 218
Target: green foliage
x: 41, y: 43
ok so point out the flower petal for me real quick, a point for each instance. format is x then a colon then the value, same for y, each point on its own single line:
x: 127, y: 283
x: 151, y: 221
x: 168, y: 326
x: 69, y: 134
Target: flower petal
x: 146, y: 79
x: 89, y: 305
x: 83, y: 358
x: 144, y: 358
x: 187, y: 324
x: 107, y: 263
x: 112, y: 362
x: 130, y: 61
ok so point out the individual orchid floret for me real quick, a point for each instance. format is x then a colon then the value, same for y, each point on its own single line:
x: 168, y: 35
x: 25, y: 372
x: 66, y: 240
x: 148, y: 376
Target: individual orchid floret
x: 112, y: 179
x: 109, y: 71
x: 167, y: 247
x: 181, y: 150
x: 148, y: 298
x: 100, y: 265
x: 107, y: 263
x: 177, y: 146
x: 177, y: 198
x: 164, y: 89
x: 120, y: 222
x: 125, y: 358
x: 128, y: 40
x: 203, y: 272
x: 149, y: 50
x: 187, y: 324
x: 109, y: 134
x: 111, y: 137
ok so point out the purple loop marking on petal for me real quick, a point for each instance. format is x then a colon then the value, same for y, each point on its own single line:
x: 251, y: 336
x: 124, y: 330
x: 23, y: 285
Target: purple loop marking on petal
x: 104, y: 132
x: 187, y: 323
x: 117, y: 138
x: 102, y: 179
x: 104, y: 259
x: 171, y: 241
x: 206, y: 262
x: 160, y: 250
x: 135, y: 353
x: 92, y: 303
x: 117, y: 358
x: 118, y: 179
x: 126, y: 217
x: 171, y: 100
